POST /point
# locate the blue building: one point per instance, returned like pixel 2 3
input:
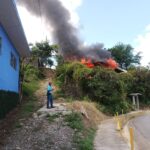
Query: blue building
pixel 13 46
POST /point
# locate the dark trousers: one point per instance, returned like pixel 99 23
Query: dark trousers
pixel 49 100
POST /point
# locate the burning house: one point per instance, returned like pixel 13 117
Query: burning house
pixel 109 63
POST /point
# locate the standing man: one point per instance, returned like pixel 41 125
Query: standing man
pixel 49 95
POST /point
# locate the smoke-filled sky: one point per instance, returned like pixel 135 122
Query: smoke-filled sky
pixel 55 15
pixel 101 21
pixel 33 24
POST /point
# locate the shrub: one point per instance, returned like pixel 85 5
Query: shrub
pixel 69 78
pixel 74 121
pixel 31 73
pixel 84 136
pixel 141 84
pixel 107 88
pixel 29 104
pixel 102 85
pixel 110 89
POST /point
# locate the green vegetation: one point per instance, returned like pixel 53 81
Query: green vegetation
pixel 85 143
pixel 141 84
pixel 32 76
pixel 102 85
pixel 32 73
pixel 74 121
pixel 8 100
pixel 83 137
pixel 69 78
pixel 106 87
pixel 51 118
pixel 30 87
pixel 42 52
pixel 30 101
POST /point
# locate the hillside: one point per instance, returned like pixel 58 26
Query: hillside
pixel 56 128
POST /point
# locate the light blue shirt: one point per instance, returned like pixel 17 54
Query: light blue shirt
pixel 49 88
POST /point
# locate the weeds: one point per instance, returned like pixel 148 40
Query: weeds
pixel 83 137
pixel 85 141
pixel 74 121
pixel 30 105
pixel 51 118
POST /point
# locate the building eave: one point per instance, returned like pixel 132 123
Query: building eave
pixel 119 70
pixel 11 23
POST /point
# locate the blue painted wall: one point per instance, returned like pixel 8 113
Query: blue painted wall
pixel 9 77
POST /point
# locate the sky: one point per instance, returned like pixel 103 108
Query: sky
pixel 104 21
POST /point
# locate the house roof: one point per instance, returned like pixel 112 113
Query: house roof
pixel 119 70
pixel 10 21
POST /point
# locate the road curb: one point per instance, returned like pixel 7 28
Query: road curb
pixel 125 130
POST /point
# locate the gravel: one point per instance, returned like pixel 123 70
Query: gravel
pixel 37 133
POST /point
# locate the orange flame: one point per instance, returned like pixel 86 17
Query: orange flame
pixel 110 63
pixel 87 62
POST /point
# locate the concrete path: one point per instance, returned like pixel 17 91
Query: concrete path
pixel 108 138
pixel 58 108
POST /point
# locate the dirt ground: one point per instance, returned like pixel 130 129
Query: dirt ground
pixel 38 133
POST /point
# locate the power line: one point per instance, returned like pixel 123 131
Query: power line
pixel 39 5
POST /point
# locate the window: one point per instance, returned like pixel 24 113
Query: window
pixel 13 61
pixel 0 45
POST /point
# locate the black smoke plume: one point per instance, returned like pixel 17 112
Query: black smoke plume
pixel 64 33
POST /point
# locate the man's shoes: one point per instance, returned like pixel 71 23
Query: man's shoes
pixel 50 107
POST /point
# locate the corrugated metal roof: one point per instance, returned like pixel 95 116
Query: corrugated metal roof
pixel 10 21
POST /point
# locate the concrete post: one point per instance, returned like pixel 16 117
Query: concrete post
pixel 137 98
pixel 134 101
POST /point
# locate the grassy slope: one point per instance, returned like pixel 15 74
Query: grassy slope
pixel 30 104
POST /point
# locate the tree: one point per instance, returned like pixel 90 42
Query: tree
pixel 123 54
pixel 43 51
pixel 59 59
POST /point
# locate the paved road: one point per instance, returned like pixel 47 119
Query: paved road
pixel 108 138
pixel 141 127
